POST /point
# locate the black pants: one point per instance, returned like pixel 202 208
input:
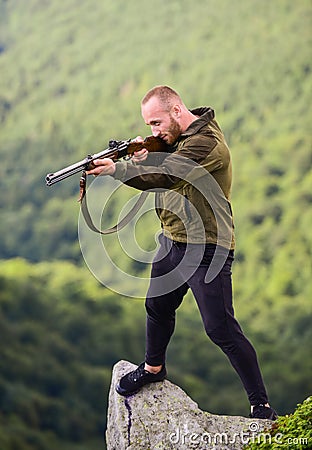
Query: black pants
pixel 176 269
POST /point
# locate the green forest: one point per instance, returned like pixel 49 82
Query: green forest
pixel 72 77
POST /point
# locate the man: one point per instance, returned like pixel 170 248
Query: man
pixel 193 185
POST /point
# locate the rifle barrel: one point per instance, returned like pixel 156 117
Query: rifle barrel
pixel 60 175
pixel 114 147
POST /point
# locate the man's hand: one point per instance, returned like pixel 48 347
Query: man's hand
pixel 106 166
pixel 140 155
pixel 102 166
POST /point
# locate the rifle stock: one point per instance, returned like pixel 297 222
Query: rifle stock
pixel 115 151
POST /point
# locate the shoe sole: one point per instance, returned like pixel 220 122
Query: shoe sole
pixel 125 393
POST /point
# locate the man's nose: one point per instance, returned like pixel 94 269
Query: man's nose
pixel 155 131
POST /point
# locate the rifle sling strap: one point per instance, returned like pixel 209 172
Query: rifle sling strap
pixel 120 225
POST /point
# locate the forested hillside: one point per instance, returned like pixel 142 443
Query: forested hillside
pixel 71 78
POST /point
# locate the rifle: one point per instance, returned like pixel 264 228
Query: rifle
pixel 116 150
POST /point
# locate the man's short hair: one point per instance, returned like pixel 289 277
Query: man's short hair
pixel 166 95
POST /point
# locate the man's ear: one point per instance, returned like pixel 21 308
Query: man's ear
pixel 176 109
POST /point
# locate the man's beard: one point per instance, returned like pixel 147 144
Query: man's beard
pixel 173 132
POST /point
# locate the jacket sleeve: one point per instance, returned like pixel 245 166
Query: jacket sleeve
pixel 192 155
pixel 144 177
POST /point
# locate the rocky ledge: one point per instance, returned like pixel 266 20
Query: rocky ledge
pixel 162 416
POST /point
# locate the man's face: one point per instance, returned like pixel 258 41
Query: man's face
pixel 161 121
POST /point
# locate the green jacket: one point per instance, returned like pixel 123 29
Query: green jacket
pixel 192 184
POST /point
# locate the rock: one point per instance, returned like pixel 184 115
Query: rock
pixel 162 416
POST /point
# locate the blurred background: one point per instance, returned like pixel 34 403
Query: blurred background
pixel 72 74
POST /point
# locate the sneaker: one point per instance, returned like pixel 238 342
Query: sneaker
pixel 263 412
pixel 135 380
